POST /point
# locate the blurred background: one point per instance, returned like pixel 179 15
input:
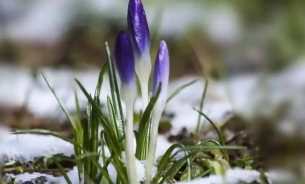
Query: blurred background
pixel 227 41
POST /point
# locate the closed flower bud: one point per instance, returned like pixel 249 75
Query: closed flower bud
pixel 161 73
pixel 138 28
pixel 124 59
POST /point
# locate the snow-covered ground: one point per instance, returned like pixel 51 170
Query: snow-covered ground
pixel 223 98
pixel 240 94
pixel 236 95
pixel 47 21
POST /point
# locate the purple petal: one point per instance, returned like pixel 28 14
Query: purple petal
pixel 161 73
pixel 138 28
pixel 124 58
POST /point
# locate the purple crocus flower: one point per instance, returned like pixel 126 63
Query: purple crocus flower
pixel 140 39
pixel 161 73
pixel 124 59
pixel 138 28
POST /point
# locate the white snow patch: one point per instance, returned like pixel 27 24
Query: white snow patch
pixel 47 21
pixel 26 147
pixel 232 176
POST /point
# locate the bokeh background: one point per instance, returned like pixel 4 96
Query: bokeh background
pixel 220 40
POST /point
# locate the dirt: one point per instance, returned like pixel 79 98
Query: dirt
pixel 22 119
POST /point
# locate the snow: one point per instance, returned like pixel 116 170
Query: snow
pixel 240 94
pixel 232 176
pixel 26 147
pixel 219 103
pixel 48 21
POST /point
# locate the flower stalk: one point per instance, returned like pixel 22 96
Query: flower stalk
pixel 129 97
pixel 161 76
pixel 138 32
pixel 124 60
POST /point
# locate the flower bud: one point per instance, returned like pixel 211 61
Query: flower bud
pixel 124 59
pixel 161 73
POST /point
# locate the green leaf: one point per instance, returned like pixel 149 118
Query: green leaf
pixel 115 94
pixel 62 105
pixel 45 132
pixel 79 118
pixel 214 152
pixel 120 171
pixel 201 107
pixel 197 171
pixel 78 138
pixel 104 122
pixel 112 116
pixel 170 174
pixel 166 159
pixel 92 158
pixel 221 139
pixel 103 148
pixel 177 91
pixel 62 170
pixel 143 135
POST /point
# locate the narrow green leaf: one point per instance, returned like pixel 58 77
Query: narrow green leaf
pixel 221 139
pixel 101 79
pixel 86 143
pixel 166 159
pixel 170 174
pixel 78 138
pixel 201 107
pixel 143 135
pixel 79 118
pixel 104 122
pixel 121 174
pixel 62 171
pixel 94 135
pixel 115 94
pixel 177 91
pixel 45 132
pixel 103 148
pixel 61 104
pixel 92 158
pixel 196 148
pixel 204 173
pixel 112 117
pixel 112 146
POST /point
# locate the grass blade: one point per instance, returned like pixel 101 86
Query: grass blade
pixel 112 117
pixel 115 94
pixel 166 158
pixel 143 135
pixel 44 132
pixel 105 123
pixel 221 139
pixel 62 171
pixel 121 173
pixel 78 112
pixel 201 108
pixel 177 91
pixel 170 174
pixel 91 157
pixel 61 104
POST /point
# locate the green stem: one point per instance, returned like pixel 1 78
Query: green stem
pixel 152 145
pixel 129 148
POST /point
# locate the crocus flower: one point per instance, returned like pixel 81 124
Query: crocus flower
pixel 161 76
pixel 161 73
pixel 138 28
pixel 140 39
pixel 124 60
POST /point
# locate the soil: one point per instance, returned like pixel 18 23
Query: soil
pixel 22 119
